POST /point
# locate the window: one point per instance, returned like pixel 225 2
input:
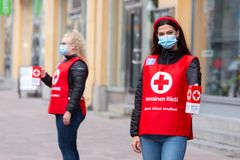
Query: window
pixel 222 52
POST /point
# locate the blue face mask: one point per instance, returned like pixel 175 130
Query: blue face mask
pixel 63 50
pixel 168 41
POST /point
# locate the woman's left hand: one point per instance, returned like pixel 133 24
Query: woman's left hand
pixel 66 118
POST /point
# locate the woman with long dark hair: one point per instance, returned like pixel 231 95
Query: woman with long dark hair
pixel 160 127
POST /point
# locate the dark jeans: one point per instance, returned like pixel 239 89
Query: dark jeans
pixel 67 135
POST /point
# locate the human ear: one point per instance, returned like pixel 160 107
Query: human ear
pixel 73 48
pixel 177 34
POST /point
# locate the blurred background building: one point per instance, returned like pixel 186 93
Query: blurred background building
pixel 118 37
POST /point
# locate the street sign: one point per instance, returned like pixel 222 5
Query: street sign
pixel 5 7
pixel 1 7
pixel 207 53
pixel 37 7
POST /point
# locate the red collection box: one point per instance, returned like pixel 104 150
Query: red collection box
pixel 193 99
pixel 36 75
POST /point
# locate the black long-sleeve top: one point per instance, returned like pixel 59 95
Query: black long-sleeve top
pixel 193 77
pixel 77 76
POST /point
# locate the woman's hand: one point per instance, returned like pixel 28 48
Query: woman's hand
pixel 136 144
pixel 43 72
pixel 66 118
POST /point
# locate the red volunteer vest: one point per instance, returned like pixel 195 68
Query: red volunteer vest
pixel 164 98
pixel 59 93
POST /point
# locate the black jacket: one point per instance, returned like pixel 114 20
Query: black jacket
pixel 77 76
pixel 193 77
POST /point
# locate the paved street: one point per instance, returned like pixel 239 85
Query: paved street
pixel 28 133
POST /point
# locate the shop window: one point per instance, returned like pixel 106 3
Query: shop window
pixel 76 4
pixel 222 61
pixel 156 13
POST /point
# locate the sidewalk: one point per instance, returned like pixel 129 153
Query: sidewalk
pixel 5 83
pixel 28 133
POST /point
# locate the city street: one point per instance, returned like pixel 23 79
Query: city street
pixel 28 133
pixel 173 53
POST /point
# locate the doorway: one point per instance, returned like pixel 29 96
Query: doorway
pixel 133 47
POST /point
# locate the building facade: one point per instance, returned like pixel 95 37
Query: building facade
pixel 212 33
pixel 30 35
pixel 118 36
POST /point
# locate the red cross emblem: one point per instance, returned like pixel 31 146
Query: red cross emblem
pixel 161 82
pixel 55 77
pixel 36 73
pixel 196 95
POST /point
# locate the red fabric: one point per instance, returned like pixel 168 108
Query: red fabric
pixel 36 72
pixel 164 18
pixel 164 98
pixel 59 93
pixel 194 94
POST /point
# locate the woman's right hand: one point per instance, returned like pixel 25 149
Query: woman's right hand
pixel 43 72
pixel 136 144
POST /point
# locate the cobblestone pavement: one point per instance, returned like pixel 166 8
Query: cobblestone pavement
pixel 27 132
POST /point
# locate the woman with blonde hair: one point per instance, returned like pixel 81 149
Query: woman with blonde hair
pixel 67 87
